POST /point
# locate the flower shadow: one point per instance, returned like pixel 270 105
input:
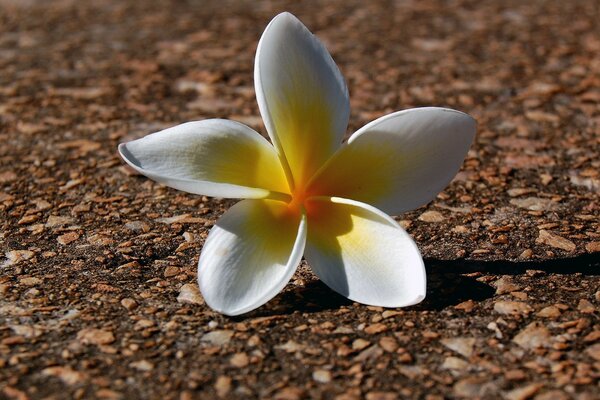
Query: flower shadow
pixel 450 281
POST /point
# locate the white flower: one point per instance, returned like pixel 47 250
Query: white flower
pixel 308 193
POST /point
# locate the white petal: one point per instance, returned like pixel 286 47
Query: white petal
pixel 250 255
pixel 400 161
pixel 363 254
pixel 301 94
pixel 213 157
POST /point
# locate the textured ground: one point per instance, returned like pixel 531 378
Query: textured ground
pixel 97 283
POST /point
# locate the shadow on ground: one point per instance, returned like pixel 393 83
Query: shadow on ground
pixel 449 284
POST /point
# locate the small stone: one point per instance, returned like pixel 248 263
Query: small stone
pixel 322 376
pixel 505 285
pixel 431 216
pixel 190 294
pixel 461 345
pixel 534 335
pixel 8 176
pixel 55 220
pixel 545 179
pixel 524 392
pixel 526 254
pixel 515 375
pixel 239 360
pixel 289 393
pixel 218 337
pixel 535 204
pixel 388 344
pixel 466 306
pixel 28 219
pixel 66 374
pixel 129 304
pixel 516 192
pixel 68 238
pixel 142 365
pixel 223 386
pixel 16 256
pixel 291 347
pixel 455 363
pixel 474 387
pixel 551 312
pixel 30 281
pixel 381 396
pixel 95 336
pixel 586 306
pixel 593 247
pixel 512 307
pixel 553 395
pixel 372 352
pixel 594 351
pixel 171 271
pixel 360 344
pixel 551 239
pixel 375 328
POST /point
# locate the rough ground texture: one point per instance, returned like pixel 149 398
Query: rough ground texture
pixel 97 285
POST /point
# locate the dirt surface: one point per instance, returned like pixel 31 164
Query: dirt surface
pixel 97 285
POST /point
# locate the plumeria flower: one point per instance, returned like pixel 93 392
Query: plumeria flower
pixel 308 193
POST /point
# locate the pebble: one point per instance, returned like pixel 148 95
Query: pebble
pixel 524 392
pixel 551 239
pixel 67 238
pixel 431 216
pixel 535 204
pixel 534 335
pixel 217 338
pixel 30 281
pixel 239 360
pixel 190 294
pixel 474 387
pixel 55 220
pixel 461 345
pixel 586 307
pixel 171 271
pixel 505 285
pixel 594 351
pixel 455 363
pixel 512 307
pixel 223 386
pixel 129 304
pixel 551 312
pixel 375 328
pixel 593 247
pixel 377 395
pixel 16 256
pixel 360 344
pixel 95 336
pixel 142 365
pixel 388 344
pixel 321 376
pixel 516 192
pixel 66 374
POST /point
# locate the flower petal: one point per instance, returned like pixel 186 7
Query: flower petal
pixel 213 157
pixel 363 254
pixel 250 255
pixel 400 161
pixel 301 94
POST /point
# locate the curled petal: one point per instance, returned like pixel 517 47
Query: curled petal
pixel 400 161
pixel 301 94
pixel 363 254
pixel 250 255
pixel 212 157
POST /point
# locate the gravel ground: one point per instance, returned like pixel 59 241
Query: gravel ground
pixel 97 281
